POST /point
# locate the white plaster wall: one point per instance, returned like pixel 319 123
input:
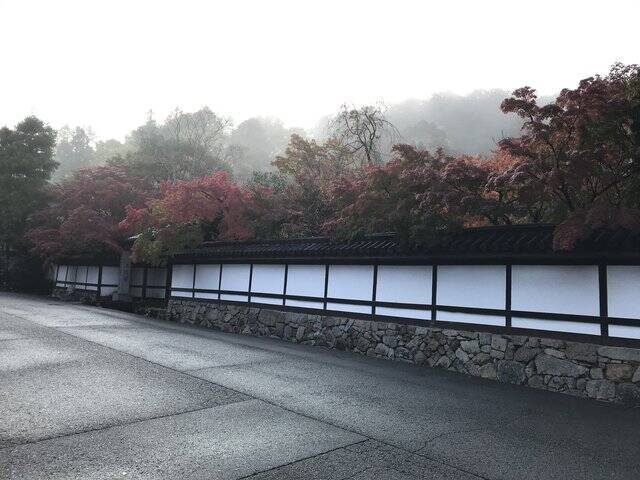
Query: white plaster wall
pixel 208 277
pixel 495 320
pixel 176 293
pixel 81 274
pixel 556 289
pixel 271 301
pixel 556 325
pixel 71 273
pixel 404 284
pixel 234 298
pixel 235 277
pixel 306 280
pixel 182 276
pixel 62 272
pixel 624 331
pixel 344 307
pixel 354 282
pixel 93 274
pixel 623 291
pixel 268 279
pixel 110 275
pixel 304 303
pixel 404 312
pixel 206 295
pixel 480 286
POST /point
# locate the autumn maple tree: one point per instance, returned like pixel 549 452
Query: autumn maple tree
pixel 186 213
pixel 581 153
pixel 84 213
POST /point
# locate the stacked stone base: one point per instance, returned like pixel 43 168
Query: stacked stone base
pixel 89 297
pixel 581 369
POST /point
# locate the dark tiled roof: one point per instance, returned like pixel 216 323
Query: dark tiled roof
pixel 478 243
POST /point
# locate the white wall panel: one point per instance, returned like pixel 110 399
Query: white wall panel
pixel 137 276
pixel 62 273
pixel 556 289
pixel 268 279
pixel 177 293
pixel 206 295
pixel 306 280
pixel 271 301
pixel 344 307
pixel 480 286
pixel 234 298
pixel 354 282
pixel 107 291
pixel 93 274
pixel 208 277
pixel 556 325
pixel 110 275
pixel 81 274
pixel 458 317
pixel 404 284
pixel 624 331
pixel 71 273
pixel 623 291
pixel 404 313
pixel 182 276
pixel 303 303
pixel 235 277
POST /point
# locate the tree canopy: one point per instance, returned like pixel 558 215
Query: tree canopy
pixel 574 163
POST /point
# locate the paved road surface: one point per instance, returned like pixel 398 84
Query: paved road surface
pixel 90 393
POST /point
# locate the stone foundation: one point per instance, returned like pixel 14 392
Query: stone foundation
pixel 68 295
pixel 581 369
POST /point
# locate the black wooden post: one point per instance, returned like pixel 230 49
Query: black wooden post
pixel 326 285
pixel 375 291
pixel 604 303
pixel 434 292
pixel 507 302
pixel 284 290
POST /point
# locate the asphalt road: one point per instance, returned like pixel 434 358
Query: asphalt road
pixel 89 393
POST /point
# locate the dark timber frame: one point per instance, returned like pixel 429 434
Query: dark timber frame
pixel 145 287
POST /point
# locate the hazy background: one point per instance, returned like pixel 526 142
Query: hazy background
pixel 440 68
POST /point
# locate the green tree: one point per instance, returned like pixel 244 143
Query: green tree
pixel 73 151
pixel 185 146
pixel 26 165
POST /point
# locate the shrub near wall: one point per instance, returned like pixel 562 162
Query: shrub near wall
pixel 581 369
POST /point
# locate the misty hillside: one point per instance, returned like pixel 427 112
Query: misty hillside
pixel 461 124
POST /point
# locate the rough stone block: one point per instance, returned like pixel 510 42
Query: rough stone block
pixel 619 372
pixel 601 389
pixel 620 353
pixel 462 355
pixel 584 352
pixel 549 365
pixel 511 372
pixel 525 354
pixel 488 371
pixel 470 346
pixel 498 343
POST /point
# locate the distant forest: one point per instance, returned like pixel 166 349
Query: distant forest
pixel 460 124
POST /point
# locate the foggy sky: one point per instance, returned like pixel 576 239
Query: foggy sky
pixel 106 63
